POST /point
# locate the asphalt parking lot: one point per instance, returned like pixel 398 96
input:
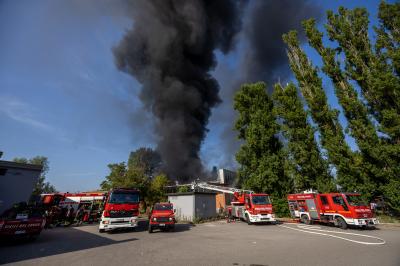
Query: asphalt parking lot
pixel 216 243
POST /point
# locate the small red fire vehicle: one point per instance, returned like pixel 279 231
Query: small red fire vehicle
pixel 162 217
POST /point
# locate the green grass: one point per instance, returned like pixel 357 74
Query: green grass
pixel 388 219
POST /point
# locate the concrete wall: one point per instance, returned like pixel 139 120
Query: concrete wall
pixel 184 206
pixel 205 206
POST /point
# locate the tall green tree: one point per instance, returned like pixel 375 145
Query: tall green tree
pixel 146 159
pixel 141 172
pixel 310 169
pixel 376 72
pixel 261 157
pixel 41 186
pixel 378 160
pixel 388 35
pixel 373 73
pixel 367 84
pixel 157 189
pixel 348 164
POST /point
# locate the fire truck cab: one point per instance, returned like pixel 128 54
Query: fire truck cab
pixel 253 208
pixel 121 209
pixel 341 209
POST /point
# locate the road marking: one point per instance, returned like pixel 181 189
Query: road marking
pixel 315 230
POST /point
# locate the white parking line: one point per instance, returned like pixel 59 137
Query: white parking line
pixel 316 230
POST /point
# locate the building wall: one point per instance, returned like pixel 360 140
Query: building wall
pixel 184 206
pixel 16 185
pixel 222 200
pixel 226 177
pixel 205 206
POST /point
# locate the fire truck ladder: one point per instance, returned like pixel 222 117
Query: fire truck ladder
pixel 229 190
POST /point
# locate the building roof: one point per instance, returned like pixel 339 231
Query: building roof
pixel 190 193
pixel 8 164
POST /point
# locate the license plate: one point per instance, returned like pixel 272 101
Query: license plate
pixel 20 232
pixel 162 224
pixel 21 216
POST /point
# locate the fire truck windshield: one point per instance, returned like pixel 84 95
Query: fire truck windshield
pixel 355 200
pixel 258 200
pixel 118 197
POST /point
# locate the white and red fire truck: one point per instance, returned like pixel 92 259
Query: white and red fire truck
pixel 341 209
pixel 121 209
pixel 75 199
pixel 91 200
pixel 247 205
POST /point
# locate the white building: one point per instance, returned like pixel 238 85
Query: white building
pixel 17 181
pixel 191 205
pixel 226 177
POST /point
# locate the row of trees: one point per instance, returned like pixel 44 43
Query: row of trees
pixel 281 153
pixel 141 172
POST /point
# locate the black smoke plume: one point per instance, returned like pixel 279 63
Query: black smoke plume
pixel 170 51
pixel 263 58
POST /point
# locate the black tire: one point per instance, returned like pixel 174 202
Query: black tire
pixel 341 223
pixel 150 229
pixel 101 230
pixel 33 237
pixel 305 219
pixel 248 219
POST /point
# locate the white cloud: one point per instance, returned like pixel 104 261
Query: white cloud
pixel 22 112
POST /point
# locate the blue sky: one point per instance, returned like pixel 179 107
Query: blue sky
pixel 61 95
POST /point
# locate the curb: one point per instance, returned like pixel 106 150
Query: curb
pixel 390 224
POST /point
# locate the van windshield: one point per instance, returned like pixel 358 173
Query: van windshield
pixel 163 207
pixel 124 197
pixel 355 200
pixel 258 200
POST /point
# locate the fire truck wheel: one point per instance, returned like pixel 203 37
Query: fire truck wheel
pixel 248 220
pixel 305 219
pixel 150 229
pixel 101 230
pixel 341 223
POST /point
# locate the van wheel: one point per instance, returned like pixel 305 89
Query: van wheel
pixel 341 223
pixel 248 220
pixel 305 219
pixel 33 237
pixel 101 230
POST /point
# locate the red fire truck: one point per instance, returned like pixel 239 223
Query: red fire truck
pixel 121 209
pixel 341 209
pixel 247 205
